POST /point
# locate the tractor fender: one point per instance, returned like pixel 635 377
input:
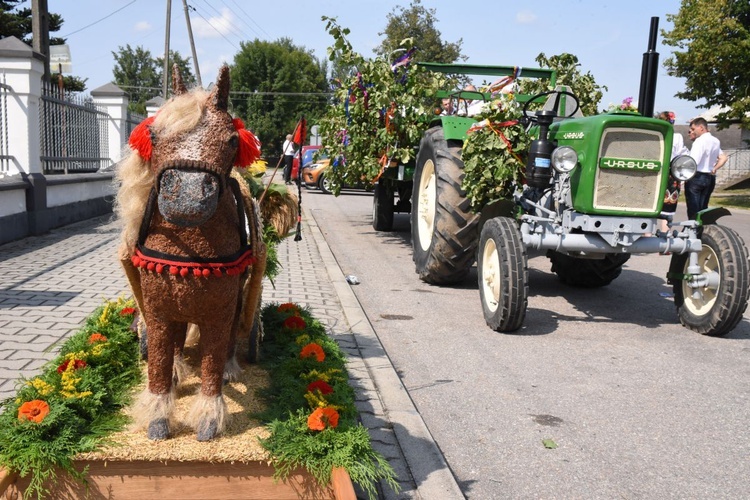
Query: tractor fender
pixel 711 215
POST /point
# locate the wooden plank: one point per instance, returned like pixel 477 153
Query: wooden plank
pixel 6 481
pixel 343 489
pixel 185 481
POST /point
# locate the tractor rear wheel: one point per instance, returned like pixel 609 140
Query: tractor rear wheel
pixel 382 208
pixel 587 273
pixel 503 275
pixel 443 228
pixel 715 308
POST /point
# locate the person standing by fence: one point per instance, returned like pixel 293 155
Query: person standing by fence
pixel 288 150
pixel 707 153
pixel 672 193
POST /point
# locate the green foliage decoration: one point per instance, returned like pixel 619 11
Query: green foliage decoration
pixel 494 155
pixel 377 112
pixel 292 405
pixel 583 85
pixel 84 388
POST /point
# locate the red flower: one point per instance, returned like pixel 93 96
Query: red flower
pixel 313 349
pixel 34 410
pixel 127 311
pixel 294 323
pixel 77 364
pixel 320 385
pixel 97 337
pixel 288 307
pixel 322 417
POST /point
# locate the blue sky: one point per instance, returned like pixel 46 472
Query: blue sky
pixel 608 36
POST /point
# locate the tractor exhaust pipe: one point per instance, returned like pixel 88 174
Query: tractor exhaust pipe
pixel 649 71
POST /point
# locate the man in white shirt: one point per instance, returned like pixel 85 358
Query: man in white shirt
pixel 707 153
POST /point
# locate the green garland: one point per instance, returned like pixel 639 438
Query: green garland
pixel 312 416
pixel 74 405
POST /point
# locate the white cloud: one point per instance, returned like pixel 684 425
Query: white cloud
pixel 214 27
pixel 143 26
pixel 525 17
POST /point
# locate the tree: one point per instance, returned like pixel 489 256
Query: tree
pixel 568 73
pixel 273 85
pixel 185 69
pixel 713 38
pixel 418 23
pixel 136 72
pixel 17 23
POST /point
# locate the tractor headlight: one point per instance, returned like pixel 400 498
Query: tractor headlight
pixel 564 159
pixel 683 168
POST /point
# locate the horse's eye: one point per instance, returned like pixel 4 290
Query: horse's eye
pixel 153 136
pixel 234 141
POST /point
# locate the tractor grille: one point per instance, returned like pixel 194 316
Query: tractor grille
pixel 629 189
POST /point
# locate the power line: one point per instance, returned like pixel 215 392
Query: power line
pixel 214 27
pixel 100 20
pixel 236 31
pixel 250 18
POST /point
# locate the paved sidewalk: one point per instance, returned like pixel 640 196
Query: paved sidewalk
pixel 50 284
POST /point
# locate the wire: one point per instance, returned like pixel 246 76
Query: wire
pixel 235 30
pixel 100 20
pixel 250 18
pixel 214 27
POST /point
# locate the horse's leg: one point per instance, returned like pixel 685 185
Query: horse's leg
pixel 180 369
pixel 208 414
pixel 157 402
pixel 232 368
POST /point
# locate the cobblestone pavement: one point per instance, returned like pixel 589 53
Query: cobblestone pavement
pixel 49 284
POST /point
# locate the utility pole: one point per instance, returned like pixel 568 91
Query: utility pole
pixel 40 32
pixel 192 45
pixel 165 83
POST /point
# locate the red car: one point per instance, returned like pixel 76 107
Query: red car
pixel 307 155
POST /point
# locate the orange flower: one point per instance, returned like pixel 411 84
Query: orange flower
pixel 34 410
pixel 322 417
pixel 313 349
pixel 127 311
pixel 288 307
pixel 97 337
pixel 321 386
pixel 294 323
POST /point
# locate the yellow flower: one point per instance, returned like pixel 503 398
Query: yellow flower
pixel 302 339
pixel 97 349
pixel 42 387
pixel 103 317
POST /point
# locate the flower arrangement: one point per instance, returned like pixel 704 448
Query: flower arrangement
pixel 311 412
pixel 626 106
pixel 75 403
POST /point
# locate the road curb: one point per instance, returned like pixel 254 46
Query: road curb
pixel 425 461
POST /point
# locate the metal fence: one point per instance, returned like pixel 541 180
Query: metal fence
pixel 133 120
pixel 4 157
pixel 737 168
pixel 74 133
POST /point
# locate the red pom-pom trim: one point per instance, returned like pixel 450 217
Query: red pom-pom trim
pixel 140 139
pixel 249 148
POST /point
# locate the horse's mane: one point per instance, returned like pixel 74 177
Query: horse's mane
pixel 135 176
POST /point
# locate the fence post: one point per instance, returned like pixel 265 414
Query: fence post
pixel 114 101
pixel 23 69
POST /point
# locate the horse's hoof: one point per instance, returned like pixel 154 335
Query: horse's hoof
pixel 158 429
pixel 207 429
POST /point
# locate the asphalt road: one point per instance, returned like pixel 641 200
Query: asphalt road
pixel 637 405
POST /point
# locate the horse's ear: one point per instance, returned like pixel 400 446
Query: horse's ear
pixel 220 92
pixel 178 86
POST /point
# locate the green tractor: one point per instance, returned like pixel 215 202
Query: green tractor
pixel 592 197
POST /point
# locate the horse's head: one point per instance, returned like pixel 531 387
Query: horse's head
pixel 192 144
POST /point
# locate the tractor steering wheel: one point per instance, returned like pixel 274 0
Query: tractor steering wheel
pixel 557 103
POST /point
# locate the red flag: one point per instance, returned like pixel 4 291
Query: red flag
pixel 300 132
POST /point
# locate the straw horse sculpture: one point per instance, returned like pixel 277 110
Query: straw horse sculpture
pixel 192 246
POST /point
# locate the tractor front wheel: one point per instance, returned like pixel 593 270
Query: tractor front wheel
pixel 443 228
pixel 715 307
pixel 503 275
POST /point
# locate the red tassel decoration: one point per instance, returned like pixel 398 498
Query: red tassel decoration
pixel 159 268
pixel 249 148
pixel 140 139
pixel 184 272
pixel 217 273
pixel 174 270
